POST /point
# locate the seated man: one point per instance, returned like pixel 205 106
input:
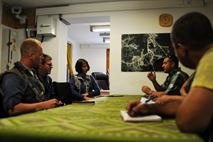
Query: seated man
pixel 43 72
pixel 193 42
pixel 192 38
pixel 173 82
pixel 165 105
pixel 24 93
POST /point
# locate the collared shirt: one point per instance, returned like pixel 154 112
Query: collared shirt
pixel 49 89
pixel 19 90
pixel 174 81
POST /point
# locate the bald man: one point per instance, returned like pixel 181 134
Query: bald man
pixel 23 92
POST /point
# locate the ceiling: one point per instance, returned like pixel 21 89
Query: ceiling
pixel 79 30
pixel 52 3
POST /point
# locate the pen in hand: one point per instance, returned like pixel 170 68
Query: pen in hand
pixel 150 98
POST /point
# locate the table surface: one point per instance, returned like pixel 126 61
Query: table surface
pixel 89 122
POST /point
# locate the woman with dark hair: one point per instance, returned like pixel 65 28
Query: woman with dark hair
pixel 83 86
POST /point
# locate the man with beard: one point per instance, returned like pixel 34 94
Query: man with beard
pixel 173 82
pixel 43 71
pixel 192 39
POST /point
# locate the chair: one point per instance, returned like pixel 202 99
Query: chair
pixel 102 79
pixel 2 112
pixel 63 92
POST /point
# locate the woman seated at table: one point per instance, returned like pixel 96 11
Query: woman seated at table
pixel 83 86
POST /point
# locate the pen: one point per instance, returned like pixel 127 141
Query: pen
pixel 150 98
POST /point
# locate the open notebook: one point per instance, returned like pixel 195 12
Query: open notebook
pixel 148 118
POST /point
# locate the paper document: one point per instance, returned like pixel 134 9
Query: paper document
pixel 146 101
pixel 98 99
pixel 148 118
pixel 104 91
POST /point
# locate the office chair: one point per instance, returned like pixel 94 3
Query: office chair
pixel 102 80
pixel 63 92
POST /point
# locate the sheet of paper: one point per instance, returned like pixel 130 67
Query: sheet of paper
pixel 98 99
pixel 149 118
pixel 144 101
pixel 104 91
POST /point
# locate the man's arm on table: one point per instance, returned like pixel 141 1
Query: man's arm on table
pixel 165 106
pixel 195 113
pixel 22 108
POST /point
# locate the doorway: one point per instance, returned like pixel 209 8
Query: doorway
pixel 89 45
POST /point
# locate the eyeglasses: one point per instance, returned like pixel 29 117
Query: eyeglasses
pixel 50 65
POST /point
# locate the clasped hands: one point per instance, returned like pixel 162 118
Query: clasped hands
pixel 86 96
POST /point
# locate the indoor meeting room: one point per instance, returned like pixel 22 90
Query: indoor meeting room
pixel 106 70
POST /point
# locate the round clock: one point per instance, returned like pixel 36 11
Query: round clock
pixel 165 20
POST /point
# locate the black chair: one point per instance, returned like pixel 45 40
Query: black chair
pixel 63 92
pixel 102 79
pixel 2 112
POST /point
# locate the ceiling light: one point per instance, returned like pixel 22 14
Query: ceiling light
pixel 106 39
pixel 104 34
pixel 100 28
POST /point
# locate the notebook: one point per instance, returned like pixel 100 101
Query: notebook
pixel 148 118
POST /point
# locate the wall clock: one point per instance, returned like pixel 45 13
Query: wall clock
pixel 165 20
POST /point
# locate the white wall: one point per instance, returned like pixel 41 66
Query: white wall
pixel 130 22
pixel 95 54
pixel 57 48
pixel 144 21
pixel 16 38
pixel 96 57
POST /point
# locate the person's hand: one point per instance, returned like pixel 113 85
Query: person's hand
pixel 151 76
pixel 157 94
pixel 132 104
pixel 164 99
pixel 85 94
pixel 50 103
pixel 146 89
pixel 87 98
pixel 139 109
pixel 154 94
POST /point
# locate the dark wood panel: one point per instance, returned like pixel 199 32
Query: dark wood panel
pixel 10 20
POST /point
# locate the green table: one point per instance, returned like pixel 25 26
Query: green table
pixel 89 122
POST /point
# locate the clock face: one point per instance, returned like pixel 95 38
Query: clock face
pixel 165 20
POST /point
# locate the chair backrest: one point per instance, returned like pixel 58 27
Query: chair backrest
pixel 102 79
pixel 2 112
pixel 63 92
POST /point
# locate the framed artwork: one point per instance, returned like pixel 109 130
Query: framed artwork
pixel 144 52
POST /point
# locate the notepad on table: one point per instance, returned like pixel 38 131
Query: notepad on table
pixel 146 101
pixel 148 118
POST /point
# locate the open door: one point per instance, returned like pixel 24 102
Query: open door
pixel 108 61
pixel 69 61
